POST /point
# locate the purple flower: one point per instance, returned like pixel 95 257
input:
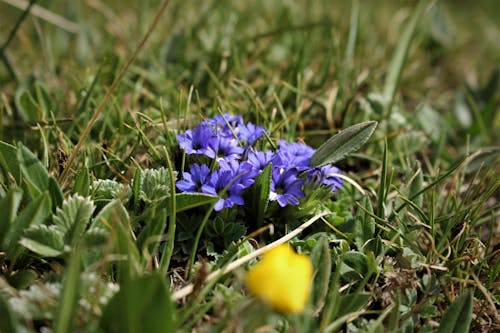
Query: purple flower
pixel 218 181
pixel 220 123
pixel 286 187
pixel 249 133
pixel 228 147
pixel 296 148
pixel 326 175
pixel 295 154
pixel 244 171
pixel 194 179
pixel 232 176
pixel 202 141
pixel 260 159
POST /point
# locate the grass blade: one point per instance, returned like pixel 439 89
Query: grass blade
pixel 399 58
pixel 70 295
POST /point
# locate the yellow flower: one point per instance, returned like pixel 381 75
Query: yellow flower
pixel 282 279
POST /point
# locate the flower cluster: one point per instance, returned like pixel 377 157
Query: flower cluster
pixel 234 162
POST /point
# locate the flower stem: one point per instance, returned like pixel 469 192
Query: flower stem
pixel 172 216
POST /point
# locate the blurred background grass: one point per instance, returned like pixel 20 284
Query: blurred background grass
pixel 306 69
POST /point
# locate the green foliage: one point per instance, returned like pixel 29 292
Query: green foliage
pixel 155 185
pixel 67 229
pixel 458 317
pixel 34 213
pixel 416 123
pixel 145 302
pixel 7 324
pixel 343 143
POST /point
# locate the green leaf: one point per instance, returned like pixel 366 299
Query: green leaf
pixel 458 317
pixel 141 305
pixel 26 105
pixel 72 218
pixel 107 190
pixel 9 206
pixel 70 294
pixel 115 218
pixel 47 241
pixel 55 192
pixel 321 258
pixel 353 265
pixel 399 58
pixel 7 324
pixel 156 221
pixel 155 184
pixel 34 213
pixel 8 161
pixel 95 237
pixel 383 188
pixel 260 197
pixel 82 182
pixel 343 143
pixel 136 187
pixel 364 226
pixel 224 232
pixel 34 173
pixel 22 279
pixel 185 201
pixel 353 302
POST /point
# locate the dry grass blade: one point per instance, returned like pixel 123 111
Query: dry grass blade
pixel 46 15
pixel 115 83
pixel 237 263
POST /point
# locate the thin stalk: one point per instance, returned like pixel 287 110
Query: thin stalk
pixel 243 260
pixel 111 90
pixel 172 216
pixel 17 26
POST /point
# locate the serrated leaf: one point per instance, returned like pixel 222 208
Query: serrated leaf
pixel 107 189
pixel 185 201
pixel 343 143
pixel 46 241
pixel 143 304
pixel 72 218
pixel 155 184
pixel 458 317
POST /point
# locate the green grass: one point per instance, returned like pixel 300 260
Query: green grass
pixel 89 158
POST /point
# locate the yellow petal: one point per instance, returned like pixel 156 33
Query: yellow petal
pixel 282 279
